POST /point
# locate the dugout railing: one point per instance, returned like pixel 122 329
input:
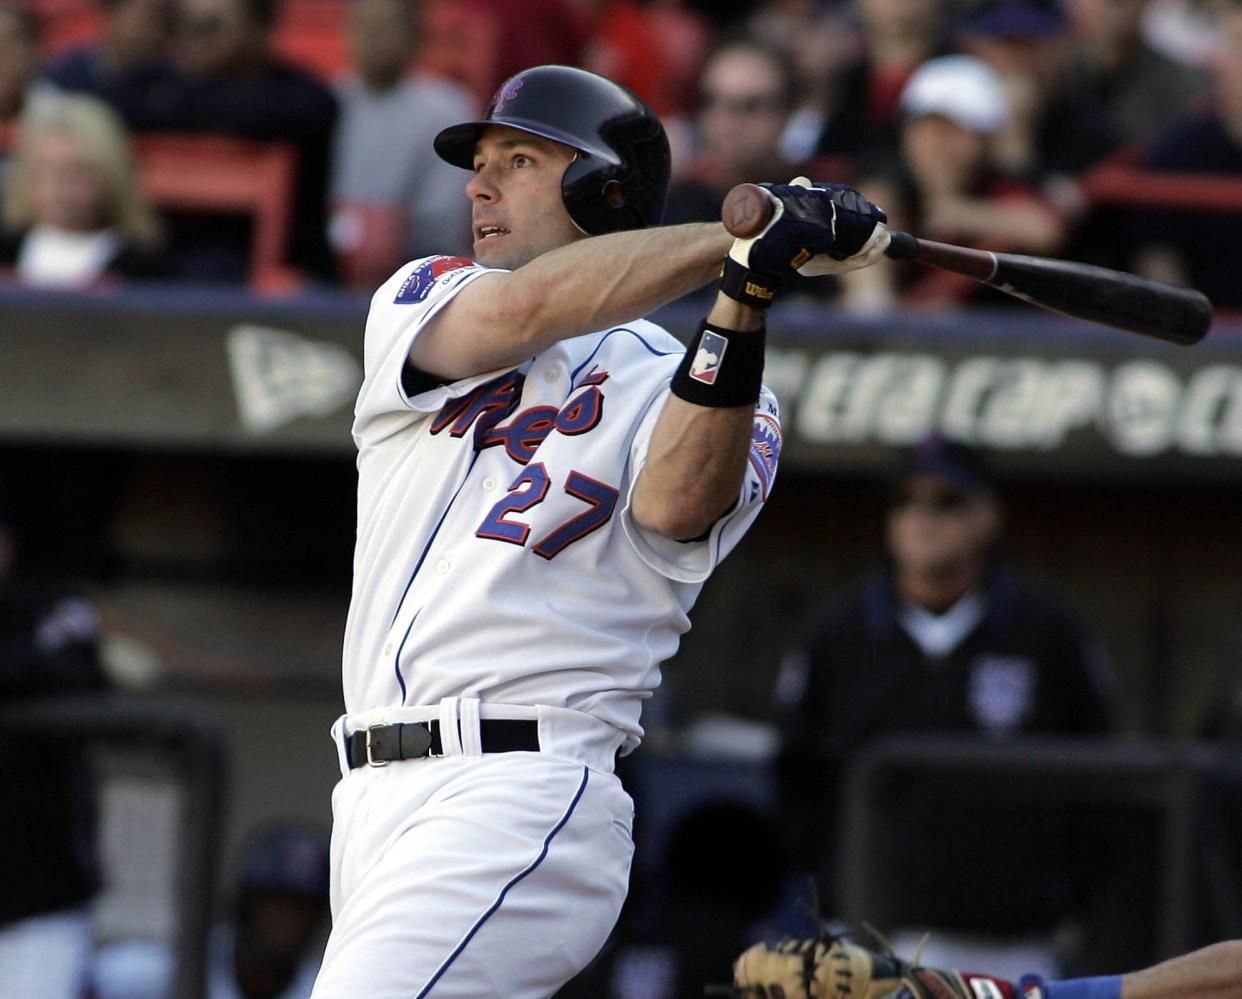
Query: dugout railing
pixel 1178 783
pixel 193 749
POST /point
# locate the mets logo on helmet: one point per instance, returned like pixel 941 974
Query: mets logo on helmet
pixel 507 93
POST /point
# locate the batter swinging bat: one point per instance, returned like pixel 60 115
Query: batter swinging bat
pixel 1084 291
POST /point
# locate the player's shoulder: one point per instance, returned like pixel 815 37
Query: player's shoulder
pixel 425 278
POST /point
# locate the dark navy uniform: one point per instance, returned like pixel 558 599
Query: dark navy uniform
pixel 48 646
pixel 1023 663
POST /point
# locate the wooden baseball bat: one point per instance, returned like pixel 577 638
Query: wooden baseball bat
pixel 1084 291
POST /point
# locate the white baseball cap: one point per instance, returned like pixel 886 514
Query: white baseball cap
pixel 960 87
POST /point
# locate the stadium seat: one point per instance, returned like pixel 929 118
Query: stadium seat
pixel 312 34
pixel 216 174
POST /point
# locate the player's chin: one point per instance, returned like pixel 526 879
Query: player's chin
pixel 501 251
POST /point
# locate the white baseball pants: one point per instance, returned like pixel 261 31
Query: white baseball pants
pixel 472 876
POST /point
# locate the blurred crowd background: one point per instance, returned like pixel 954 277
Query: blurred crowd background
pixel 982 120
pixel 1008 540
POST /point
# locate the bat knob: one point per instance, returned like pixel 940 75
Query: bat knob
pixel 746 209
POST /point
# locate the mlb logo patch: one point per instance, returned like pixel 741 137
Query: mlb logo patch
pixel 707 358
pixel 416 287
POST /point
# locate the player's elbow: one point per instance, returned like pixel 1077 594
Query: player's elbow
pixel 682 518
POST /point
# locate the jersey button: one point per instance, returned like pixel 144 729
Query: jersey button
pixel 489 484
pixel 443 566
pixel 552 374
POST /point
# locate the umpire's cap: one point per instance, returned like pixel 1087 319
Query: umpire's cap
pixel 618 180
pixel 952 461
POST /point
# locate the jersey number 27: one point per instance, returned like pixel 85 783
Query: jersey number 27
pixel 528 490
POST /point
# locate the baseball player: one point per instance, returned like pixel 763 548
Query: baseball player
pixel 545 482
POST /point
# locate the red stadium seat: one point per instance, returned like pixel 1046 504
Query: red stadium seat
pixel 312 34
pixel 1122 184
pixel 217 174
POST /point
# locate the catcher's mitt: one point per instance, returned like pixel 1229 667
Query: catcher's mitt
pixel 830 967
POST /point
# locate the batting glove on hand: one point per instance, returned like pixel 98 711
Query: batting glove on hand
pixel 810 220
pixel 815 230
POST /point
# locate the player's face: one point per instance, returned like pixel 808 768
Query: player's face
pixel 935 529
pixel 516 197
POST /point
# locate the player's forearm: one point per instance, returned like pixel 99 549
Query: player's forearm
pixel 697 456
pixel 1213 972
pixel 604 280
pixel 584 286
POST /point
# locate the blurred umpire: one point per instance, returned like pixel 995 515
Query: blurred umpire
pixel 943 637
pixel 48 873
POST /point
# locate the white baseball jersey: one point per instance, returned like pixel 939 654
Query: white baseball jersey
pixel 496 554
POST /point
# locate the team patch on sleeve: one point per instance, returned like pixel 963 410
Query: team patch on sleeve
pixel 418 285
pixel 765 448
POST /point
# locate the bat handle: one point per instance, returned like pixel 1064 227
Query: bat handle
pixel 902 246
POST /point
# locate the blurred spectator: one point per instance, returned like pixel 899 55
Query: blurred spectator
pixel 1140 89
pixel 74 212
pixel 481 43
pixel 393 198
pixel 1199 248
pixel 896 36
pixel 746 95
pixel 237 86
pixel 946 185
pixel 818 38
pixel 1184 30
pixel 1050 129
pixel 945 637
pixel 128 66
pixel 48 648
pixel 654 49
pixel 20 89
pixel 535 33
pixel 271 944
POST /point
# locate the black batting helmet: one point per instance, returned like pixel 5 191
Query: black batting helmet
pixel 618 180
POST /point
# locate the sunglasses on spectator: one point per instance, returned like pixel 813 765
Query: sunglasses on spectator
pixel 739 104
pixel 936 500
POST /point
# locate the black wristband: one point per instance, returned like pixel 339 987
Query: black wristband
pixel 745 286
pixel 721 368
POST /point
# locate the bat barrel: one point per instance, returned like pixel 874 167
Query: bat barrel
pixel 1114 298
